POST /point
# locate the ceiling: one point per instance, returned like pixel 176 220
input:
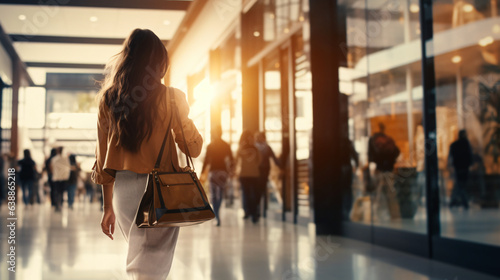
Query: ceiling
pixel 81 39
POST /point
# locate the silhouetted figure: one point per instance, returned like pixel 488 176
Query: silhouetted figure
pixel 53 153
pixel 219 159
pixel 61 169
pixel 420 162
pixel 27 175
pixel 460 157
pixel 348 154
pixel 73 180
pixel 267 155
pixel 382 150
pixel 248 157
pixel 89 188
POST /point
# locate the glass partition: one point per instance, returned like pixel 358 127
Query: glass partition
pixel 467 72
pixel 383 159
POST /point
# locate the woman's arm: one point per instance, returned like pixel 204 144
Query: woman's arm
pixel 108 217
pixel 107 196
pixel 191 136
pixel 273 156
pixel 99 176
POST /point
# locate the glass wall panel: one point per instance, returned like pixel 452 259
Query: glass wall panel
pixel 274 19
pixel 383 158
pixel 303 118
pixel 6 122
pixel 273 122
pixel 467 68
pixel 228 90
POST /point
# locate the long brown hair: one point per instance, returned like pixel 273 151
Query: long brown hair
pixel 132 88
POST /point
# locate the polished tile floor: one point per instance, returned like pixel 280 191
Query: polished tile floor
pixel 70 246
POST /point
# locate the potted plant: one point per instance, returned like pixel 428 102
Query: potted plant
pixel 490 119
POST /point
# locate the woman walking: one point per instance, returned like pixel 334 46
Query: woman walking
pixel 134 113
pixel 248 158
pixel 27 175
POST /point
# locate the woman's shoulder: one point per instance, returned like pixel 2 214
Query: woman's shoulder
pixel 179 94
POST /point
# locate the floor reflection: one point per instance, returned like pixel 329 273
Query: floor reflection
pixel 70 246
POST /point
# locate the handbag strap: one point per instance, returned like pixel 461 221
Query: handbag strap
pixel 158 159
pixel 189 159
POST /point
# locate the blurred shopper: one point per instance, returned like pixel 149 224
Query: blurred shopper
pixel 219 160
pixel 347 156
pixel 73 180
pixel 382 150
pixel 248 158
pixel 53 153
pixel 89 187
pixel 460 157
pixel 134 113
pixel 61 170
pixel 37 191
pixel 27 175
pixel 420 161
pixel 267 155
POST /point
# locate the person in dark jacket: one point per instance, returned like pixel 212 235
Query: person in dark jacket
pixel 460 157
pixel 219 159
pixel 382 150
pixel 348 154
pixel 248 159
pixel 267 155
pixel 27 176
pixel 73 180
pixel 53 153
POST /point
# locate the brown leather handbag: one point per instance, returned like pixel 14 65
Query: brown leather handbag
pixel 173 198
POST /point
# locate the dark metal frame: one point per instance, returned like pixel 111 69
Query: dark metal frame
pixel 180 5
pixel 68 40
pixel 65 65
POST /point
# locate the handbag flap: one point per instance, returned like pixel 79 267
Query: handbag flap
pixel 175 178
pixel 180 191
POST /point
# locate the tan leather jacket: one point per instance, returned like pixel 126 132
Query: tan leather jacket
pixel 110 157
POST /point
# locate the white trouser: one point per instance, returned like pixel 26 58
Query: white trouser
pixel 150 250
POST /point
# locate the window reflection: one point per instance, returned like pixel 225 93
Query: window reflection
pixel 467 77
pixel 273 120
pixel 383 94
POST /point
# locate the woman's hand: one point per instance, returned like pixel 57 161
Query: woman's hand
pixel 108 222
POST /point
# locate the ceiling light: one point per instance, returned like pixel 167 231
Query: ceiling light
pixel 256 33
pixel 456 59
pixel 93 18
pixel 468 8
pixel 22 17
pixel 286 30
pixel 301 18
pixel 486 41
pixel 414 8
pixel 166 22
